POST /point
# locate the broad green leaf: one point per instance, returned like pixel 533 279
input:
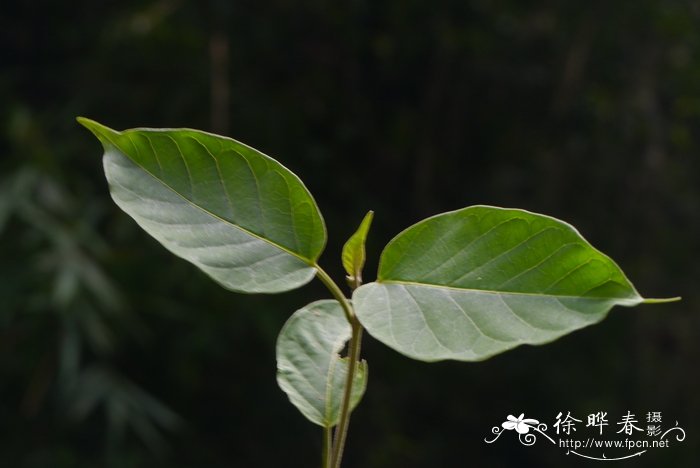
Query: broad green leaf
pixel 353 256
pixel 237 214
pixel 309 368
pixel 473 283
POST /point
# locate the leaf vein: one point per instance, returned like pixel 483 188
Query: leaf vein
pixel 505 252
pixel 469 244
pixel 425 321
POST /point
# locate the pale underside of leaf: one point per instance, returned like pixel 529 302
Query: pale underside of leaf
pixel 232 257
pixel 309 369
pixel 237 214
pixel 472 283
pixel 434 323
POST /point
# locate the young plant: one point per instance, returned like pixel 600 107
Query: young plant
pixel 463 285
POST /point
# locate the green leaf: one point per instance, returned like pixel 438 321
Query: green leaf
pixel 353 256
pixel 237 214
pixel 473 283
pixel 309 369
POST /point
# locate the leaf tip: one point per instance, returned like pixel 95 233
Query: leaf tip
pixel 661 300
pixel 367 221
pixel 88 123
pixel 99 130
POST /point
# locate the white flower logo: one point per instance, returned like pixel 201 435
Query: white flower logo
pixel 522 426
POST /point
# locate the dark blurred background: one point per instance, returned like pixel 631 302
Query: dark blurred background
pixel 114 353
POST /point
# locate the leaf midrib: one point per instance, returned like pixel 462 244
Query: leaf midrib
pixel 512 293
pixel 308 261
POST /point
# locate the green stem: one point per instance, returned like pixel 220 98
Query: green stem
pixel 337 293
pixel 327 446
pixel 341 432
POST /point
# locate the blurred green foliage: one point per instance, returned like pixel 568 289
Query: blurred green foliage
pixel 115 354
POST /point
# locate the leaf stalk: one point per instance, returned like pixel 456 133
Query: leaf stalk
pixel 337 294
pixel 341 431
pixel 327 447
